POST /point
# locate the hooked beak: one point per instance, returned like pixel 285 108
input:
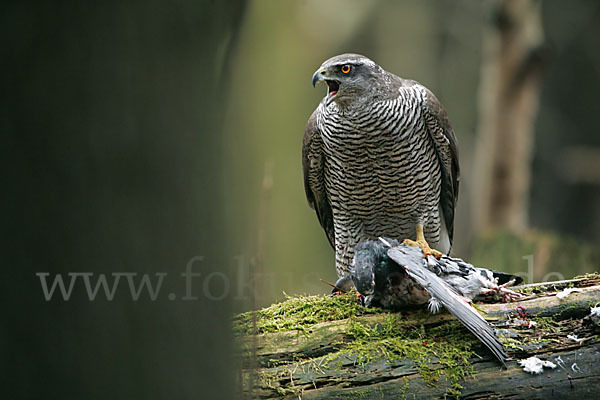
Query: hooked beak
pixel 332 85
pixel 318 76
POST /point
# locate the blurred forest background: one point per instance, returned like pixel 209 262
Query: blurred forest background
pixel 111 116
pixel 139 135
pixel 519 80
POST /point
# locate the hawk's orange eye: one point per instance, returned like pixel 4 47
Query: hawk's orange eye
pixel 345 69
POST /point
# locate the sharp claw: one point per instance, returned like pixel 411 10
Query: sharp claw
pixel 436 254
pixel 424 246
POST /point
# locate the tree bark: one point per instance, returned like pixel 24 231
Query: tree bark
pixel 310 365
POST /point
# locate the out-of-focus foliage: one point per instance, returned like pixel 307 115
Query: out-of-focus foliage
pixel 535 256
pixel 435 42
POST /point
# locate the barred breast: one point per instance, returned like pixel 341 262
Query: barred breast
pixel 381 172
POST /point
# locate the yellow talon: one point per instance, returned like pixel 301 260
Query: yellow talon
pixel 422 243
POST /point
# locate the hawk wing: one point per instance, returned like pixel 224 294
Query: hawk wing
pixel 314 178
pixel 446 147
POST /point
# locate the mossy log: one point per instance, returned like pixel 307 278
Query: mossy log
pixel 322 347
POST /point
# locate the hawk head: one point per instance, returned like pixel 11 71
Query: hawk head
pixel 349 77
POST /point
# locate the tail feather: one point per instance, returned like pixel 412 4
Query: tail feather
pixel 413 262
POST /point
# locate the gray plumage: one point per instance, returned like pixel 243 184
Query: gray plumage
pixel 393 275
pixel 379 157
pixel 416 267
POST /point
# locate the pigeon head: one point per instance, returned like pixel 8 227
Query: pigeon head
pixel 369 256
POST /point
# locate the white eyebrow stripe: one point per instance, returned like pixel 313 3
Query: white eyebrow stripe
pixel 353 61
pixel 358 62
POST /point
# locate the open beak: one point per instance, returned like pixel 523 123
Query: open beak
pixel 332 85
pixel 318 76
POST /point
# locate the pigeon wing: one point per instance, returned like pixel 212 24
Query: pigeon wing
pixel 412 260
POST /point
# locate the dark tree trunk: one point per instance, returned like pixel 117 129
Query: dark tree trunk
pixel 110 119
pixel 508 103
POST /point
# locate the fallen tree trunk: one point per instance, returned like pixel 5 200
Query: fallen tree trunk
pixel 332 348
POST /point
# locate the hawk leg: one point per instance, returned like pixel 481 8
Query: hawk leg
pixel 422 243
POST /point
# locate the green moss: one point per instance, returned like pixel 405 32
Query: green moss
pixel 545 324
pixel 298 313
pixel 447 344
pixel 569 309
pixel 439 352
pixel 404 389
pixel 510 343
pixel 525 290
pixel 359 394
pixel 591 276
